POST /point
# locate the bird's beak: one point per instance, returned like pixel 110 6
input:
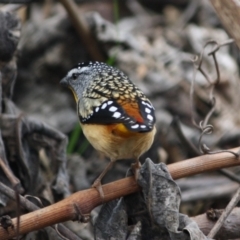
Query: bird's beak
pixel 64 82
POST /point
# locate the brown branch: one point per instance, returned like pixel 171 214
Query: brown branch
pixel 85 201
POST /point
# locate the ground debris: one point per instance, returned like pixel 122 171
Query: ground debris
pixel 152 214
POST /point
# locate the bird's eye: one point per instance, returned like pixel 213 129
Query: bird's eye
pixel 74 76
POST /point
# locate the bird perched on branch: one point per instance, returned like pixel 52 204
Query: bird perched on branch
pixel 115 116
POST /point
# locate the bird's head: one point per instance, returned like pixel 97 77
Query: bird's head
pixel 80 77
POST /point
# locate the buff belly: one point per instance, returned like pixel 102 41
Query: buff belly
pixel 115 145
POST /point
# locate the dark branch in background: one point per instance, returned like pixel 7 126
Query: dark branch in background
pixel 231 205
pixel 229 229
pixel 82 29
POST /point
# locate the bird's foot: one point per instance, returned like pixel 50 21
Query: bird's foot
pixel 97 184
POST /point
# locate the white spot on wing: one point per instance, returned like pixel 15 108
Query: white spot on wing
pixel 96 109
pixel 112 109
pixel 147 104
pixel 135 126
pixel 150 106
pixel 147 110
pixel 150 117
pixel 142 126
pixel 109 102
pixel 104 106
pixel 116 114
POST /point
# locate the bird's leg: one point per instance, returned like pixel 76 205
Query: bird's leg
pixel 136 168
pixel 97 183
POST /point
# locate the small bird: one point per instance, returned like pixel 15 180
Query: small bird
pixel 116 117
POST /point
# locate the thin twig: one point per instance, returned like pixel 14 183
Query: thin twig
pixel 197 61
pixel 10 176
pixel 234 201
pixel 229 175
pixel 188 145
pixel 210 113
pixel 192 92
pixel 59 234
pixel 187 14
pixel 18 213
pixel 12 7
pixel 194 151
pixel 229 230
